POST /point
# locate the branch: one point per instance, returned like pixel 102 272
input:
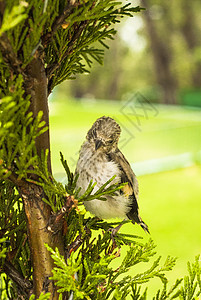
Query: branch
pixel 56 220
pixel 77 33
pixel 24 284
pixel 18 182
pixel 58 22
pixel 9 55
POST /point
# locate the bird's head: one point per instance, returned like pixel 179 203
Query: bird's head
pixel 104 134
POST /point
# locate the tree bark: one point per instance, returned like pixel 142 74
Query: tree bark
pixel 162 59
pixel 36 210
pixel 37 215
pixel 36 84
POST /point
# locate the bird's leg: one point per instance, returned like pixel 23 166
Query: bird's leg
pixel 115 230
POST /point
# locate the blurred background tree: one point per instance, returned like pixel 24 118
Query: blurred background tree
pixel 156 53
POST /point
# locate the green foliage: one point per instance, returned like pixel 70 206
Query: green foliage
pixel 92 277
pixel 11 215
pixel 64 33
pixel 3 250
pixel 18 131
pixel 14 244
pixel 25 38
pixel 66 36
pixel 41 297
pixel 192 282
pixel 88 271
pixel 13 16
pixel 93 22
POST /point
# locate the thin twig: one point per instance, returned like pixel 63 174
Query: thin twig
pixel 24 284
pixel 9 55
pixel 56 220
pixel 51 70
pixel 57 23
pixel 18 182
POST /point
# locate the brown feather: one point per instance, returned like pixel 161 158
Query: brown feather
pixel 127 190
pixel 127 174
pixel 131 189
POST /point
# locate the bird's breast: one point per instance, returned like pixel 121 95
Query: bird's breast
pixel 95 166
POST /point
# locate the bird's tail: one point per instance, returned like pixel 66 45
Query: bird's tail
pixel 144 226
pixel 135 218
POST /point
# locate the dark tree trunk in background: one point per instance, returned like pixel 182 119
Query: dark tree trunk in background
pixel 116 65
pixel 162 58
pixel 102 85
pixel 192 38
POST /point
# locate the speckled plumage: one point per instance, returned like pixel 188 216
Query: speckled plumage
pixel 99 160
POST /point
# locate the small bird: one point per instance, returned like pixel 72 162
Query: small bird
pixel 99 160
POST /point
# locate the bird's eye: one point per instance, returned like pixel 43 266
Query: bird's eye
pixel 110 142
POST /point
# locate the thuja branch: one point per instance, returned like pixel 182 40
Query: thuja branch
pixel 9 55
pixel 24 285
pixel 59 20
pixel 105 189
pixel 44 43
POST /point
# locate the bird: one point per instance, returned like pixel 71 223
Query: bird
pixel 99 160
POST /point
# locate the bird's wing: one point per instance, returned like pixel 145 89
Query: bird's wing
pixel 131 189
pixel 127 174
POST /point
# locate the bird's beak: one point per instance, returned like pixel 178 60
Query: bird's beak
pixel 98 144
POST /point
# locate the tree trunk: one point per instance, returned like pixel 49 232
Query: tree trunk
pixel 36 210
pixel 192 38
pixel 162 59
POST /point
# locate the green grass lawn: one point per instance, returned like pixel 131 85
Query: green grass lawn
pixel 172 131
pixel 169 201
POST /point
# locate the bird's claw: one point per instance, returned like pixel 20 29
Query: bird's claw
pixel 114 232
